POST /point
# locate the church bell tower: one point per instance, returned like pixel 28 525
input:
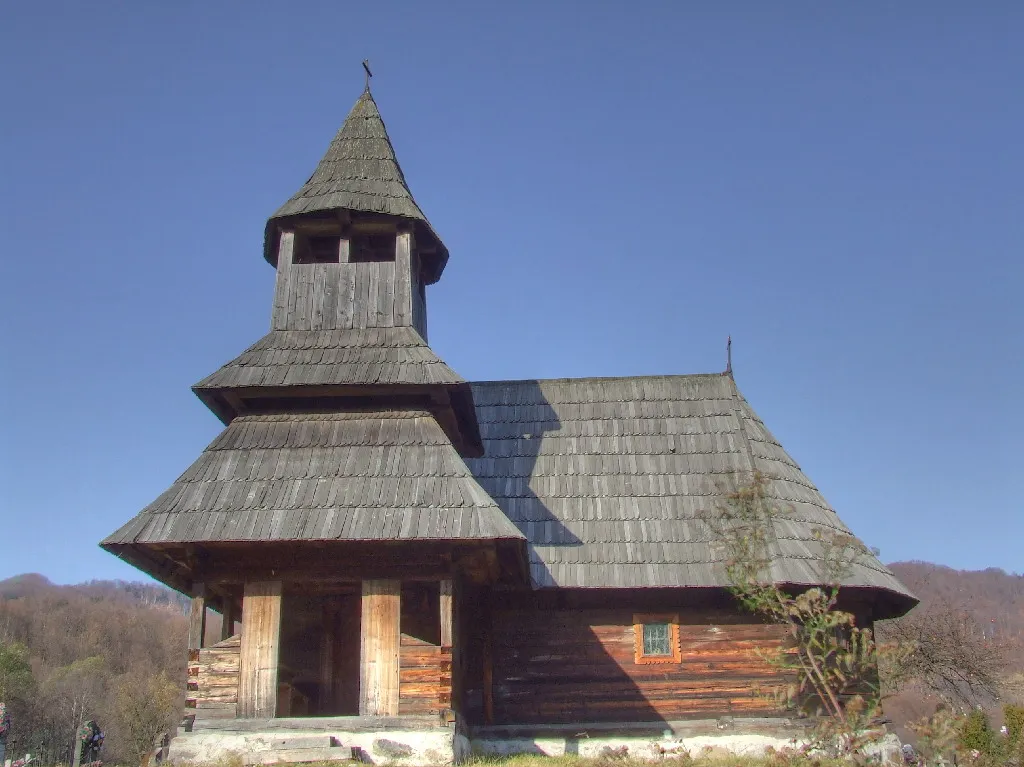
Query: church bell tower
pixel 354 254
pixel 334 518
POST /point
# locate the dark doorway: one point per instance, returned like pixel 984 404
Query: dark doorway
pixel 318 672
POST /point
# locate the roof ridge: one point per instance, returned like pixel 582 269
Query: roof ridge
pixel 655 377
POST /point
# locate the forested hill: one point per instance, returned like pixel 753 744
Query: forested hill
pixel 993 597
pixel 97 650
pixel 143 594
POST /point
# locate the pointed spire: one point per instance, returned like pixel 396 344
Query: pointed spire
pixel 360 172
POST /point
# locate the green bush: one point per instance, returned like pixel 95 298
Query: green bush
pixel 1014 716
pixel 976 733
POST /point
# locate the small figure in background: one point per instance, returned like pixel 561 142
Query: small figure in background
pixel 5 727
pixel 91 737
pixel 909 754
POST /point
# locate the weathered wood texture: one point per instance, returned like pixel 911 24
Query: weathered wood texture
pixel 260 646
pixel 227 622
pixel 379 648
pixel 197 618
pixel 578 665
pixel 328 641
pixel 346 181
pixel 425 677
pixel 409 292
pixel 446 594
pixel 377 294
pixel 213 680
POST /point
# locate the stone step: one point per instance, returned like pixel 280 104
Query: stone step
pixel 300 755
pixel 303 741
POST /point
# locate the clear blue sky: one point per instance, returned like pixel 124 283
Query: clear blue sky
pixel 621 186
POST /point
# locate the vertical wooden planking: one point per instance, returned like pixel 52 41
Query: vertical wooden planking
pixel 346 295
pixel 488 672
pixel 388 298
pixel 446 612
pixel 332 285
pixel 279 316
pixel 327 642
pixel 261 636
pixel 385 274
pixel 379 648
pixel 318 295
pixel 419 305
pixel 373 320
pixel 360 279
pixel 197 618
pixel 458 676
pixel 303 281
pixel 228 618
pixel 403 279
pixel 449 643
pixel 294 275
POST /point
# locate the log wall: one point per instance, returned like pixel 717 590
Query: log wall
pixel 578 666
pixel 213 680
pixel 425 678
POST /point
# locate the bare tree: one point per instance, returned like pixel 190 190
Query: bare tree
pixel 146 706
pixel 951 656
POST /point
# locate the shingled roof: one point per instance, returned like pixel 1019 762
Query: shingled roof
pixel 370 359
pixel 360 172
pixel 357 476
pixel 357 356
pixel 606 477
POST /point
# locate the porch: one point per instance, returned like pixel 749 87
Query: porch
pixel 370 648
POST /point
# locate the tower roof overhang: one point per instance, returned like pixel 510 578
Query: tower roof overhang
pixel 344 368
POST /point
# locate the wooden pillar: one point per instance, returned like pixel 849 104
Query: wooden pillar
pixel 197 618
pixel 378 648
pixel 447 598
pixel 488 664
pixel 403 278
pixel 228 617
pixel 261 639
pixel 450 651
pixel 279 314
pixel 344 245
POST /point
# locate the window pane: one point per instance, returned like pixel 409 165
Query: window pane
pixel 656 639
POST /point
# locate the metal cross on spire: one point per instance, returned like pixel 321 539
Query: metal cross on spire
pixel 369 74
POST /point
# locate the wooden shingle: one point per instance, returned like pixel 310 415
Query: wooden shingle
pixel 608 477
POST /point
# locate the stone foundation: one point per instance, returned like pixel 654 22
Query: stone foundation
pixel 399 741
pixel 654 741
pixel 427 742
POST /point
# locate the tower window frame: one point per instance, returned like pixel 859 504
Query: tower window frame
pixel 318 249
pixel 372 247
pixel 656 638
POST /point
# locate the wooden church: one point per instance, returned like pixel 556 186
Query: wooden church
pixel 412 565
